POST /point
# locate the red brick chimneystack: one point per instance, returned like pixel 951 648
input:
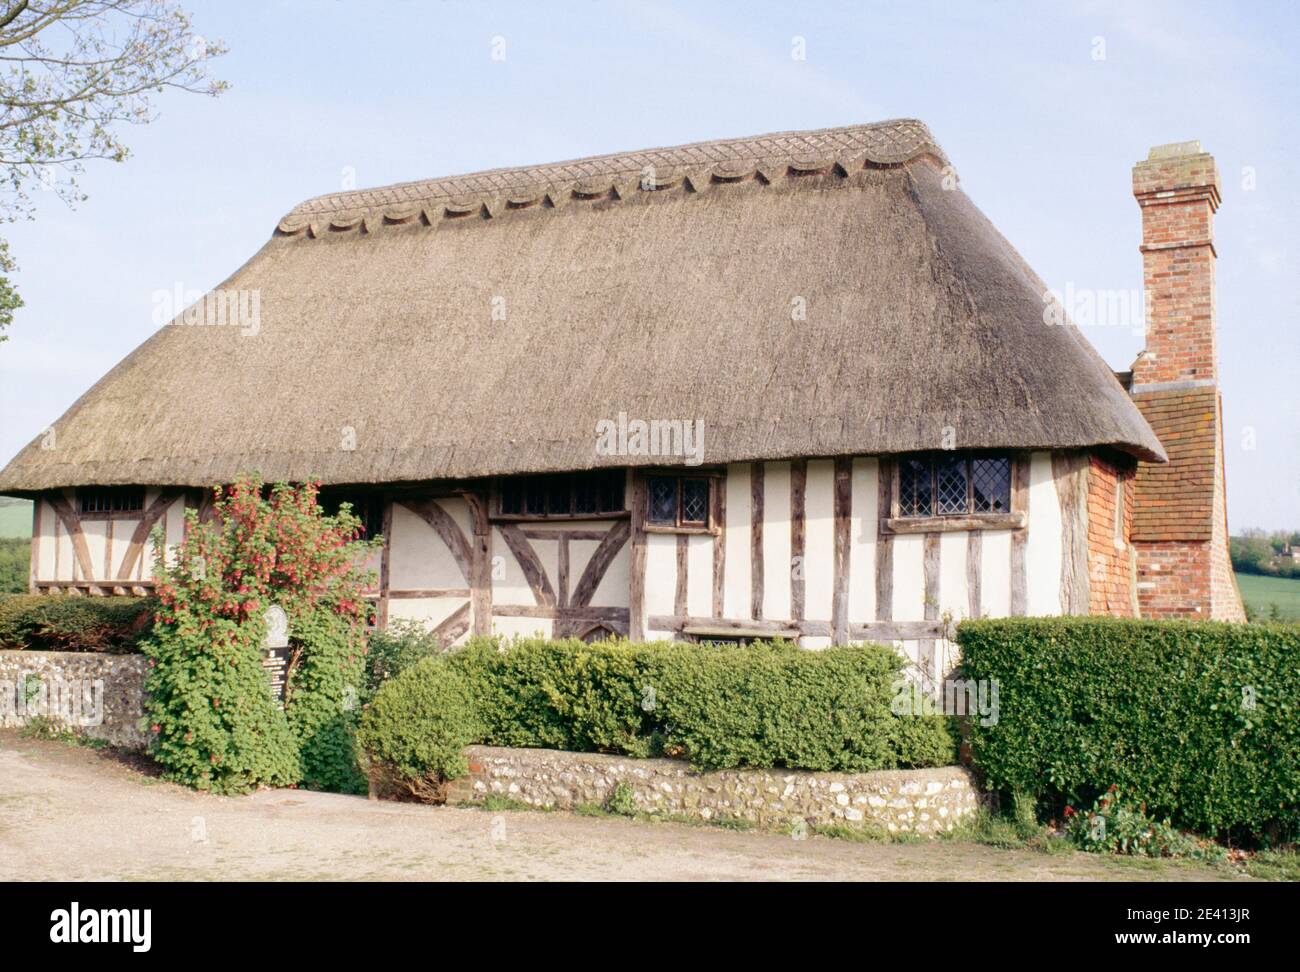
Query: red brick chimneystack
pixel 1180 527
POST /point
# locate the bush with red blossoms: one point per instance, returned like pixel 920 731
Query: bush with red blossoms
pixel 214 722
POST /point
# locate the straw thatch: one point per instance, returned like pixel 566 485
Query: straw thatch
pixel 663 284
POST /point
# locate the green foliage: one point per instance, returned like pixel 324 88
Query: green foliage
pixel 419 723
pixel 395 649
pixel 54 730
pixel 1197 720
pixel 621 800
pixel 15 564
pixel 214 721
pixel 1256 552
pixel 324 698
pixel 57 622
pixel 1119 823
pixel 764 705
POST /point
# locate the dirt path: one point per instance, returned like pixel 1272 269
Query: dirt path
pixel 76 814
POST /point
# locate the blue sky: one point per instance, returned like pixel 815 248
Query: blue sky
pixel 1042 132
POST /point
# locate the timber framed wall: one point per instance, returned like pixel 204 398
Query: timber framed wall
pixel 810 549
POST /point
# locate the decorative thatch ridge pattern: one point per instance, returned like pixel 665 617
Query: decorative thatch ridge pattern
pixel 825 294
pixel 493 193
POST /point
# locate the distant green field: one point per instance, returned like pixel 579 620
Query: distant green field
pixel 1261 593
pixel 15 517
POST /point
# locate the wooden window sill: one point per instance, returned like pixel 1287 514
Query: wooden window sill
pixel 948 524
pixel 665 528
pixel 556 517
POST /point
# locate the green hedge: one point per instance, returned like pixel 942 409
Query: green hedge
pixel 1199 720
pixel 61 622
pixel 773 705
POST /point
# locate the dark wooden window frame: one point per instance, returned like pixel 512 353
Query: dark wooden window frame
pixel 498 489
pixel 713 482
pixel 83 493
pixel 895 522
pixel 366 507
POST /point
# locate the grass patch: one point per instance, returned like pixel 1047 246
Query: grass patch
pixel 1274 865
pixel 1261 594
pixel 51 730
pixel 495 803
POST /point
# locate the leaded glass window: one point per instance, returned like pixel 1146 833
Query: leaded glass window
pixel 953 485
pixel 990 482
pixel 915 486
pixel 678 501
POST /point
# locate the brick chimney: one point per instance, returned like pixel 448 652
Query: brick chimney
pixel 1178 190
pixel 1180 522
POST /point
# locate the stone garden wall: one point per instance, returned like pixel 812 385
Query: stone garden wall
pixel 100 695
pixel 924 801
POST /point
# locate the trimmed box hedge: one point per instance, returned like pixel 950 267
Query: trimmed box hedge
pixel 62 622
pixel 763 705
pixel 1199 720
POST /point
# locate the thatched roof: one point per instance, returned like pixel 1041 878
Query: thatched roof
pixel 660 284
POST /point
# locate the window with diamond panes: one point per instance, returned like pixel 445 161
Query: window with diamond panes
pixel 951 487
pixel 678 501
pixel 990 485
pixel 915 486
pixel 954 485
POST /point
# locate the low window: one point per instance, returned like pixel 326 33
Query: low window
pixel 953 485
pixel 368 508
pixel 563 494
pixel 111 499
pixel 678 501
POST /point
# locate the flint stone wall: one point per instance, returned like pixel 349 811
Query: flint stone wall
pixel 921 801
pixel 62 684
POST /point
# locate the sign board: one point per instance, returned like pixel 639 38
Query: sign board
pixel 277 627
pixel 275 650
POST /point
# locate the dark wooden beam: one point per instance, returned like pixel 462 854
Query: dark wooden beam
pixel 884 542
pixel 798 535
pixel 612 541
pixel 636 576
pixel 756 540
pixel 842 514
pixel 529 563
pixel 1020 537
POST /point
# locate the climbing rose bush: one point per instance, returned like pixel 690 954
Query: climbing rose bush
pixel 213 721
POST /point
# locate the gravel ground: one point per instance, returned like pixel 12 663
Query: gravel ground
pixel 69 813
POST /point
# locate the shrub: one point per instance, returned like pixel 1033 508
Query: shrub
pixel 15 564
pixel 761 705
pixel 1120 824
pixel 395 649
pixel 416 729
pixel 59 622
pixel 214 722
pixel 1197 720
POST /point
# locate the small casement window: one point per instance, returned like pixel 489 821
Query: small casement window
pixel 368 508
pixel 594 493
pixel 111 499
pixel 680 502
pixel 954 485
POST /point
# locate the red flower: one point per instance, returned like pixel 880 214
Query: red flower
pixel 1069 811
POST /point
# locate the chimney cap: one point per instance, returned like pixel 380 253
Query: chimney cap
pixel 1174 150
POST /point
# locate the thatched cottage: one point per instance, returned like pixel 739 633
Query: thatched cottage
pixel 791 384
